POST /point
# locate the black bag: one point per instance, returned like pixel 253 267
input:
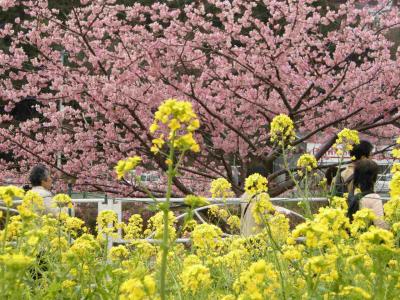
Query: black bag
pixel 340 187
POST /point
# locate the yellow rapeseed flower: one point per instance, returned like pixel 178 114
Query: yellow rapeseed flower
pixel 195 277
pixel 16 261
pixel 181 122
pixel 62 200
pixel 394 185
pixel 127 165
pixel 260 281
pixel 207 237
pixel 8 193
pixel 255 184
pixel 345 141
pixel 195 201
pixel 221 188
pixel 118 253
pixel 282 130
pixel 307 162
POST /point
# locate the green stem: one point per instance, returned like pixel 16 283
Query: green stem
pixel 5 230
pixel 306 198
pixel 165 209
pixel 299 189
pixel 275 249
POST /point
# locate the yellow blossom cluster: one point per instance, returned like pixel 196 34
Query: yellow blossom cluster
pixel 8 193
pixel 221 188
pixel 195 277
pixel 338 202
pixel 195 201
pixel 134 228
pixel 394 185
pixel 16 261
pixel 362 220
pixel 392 209
pixel 118 253
pixel 156 225
pixel 396 150
pixel 282 130
pixel 328 225
pixel 255 184
pixel 107 221
pixel 262 208
pixel 207 238
pixel 345 141
pixel 126 165
pixel 260 281
pixel 307 162
pixel 136 289
pixel 233 222
pixel 62 200
pixel 182 122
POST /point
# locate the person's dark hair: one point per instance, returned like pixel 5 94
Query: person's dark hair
pixel 365 176
pixel 364 148
pixel 330 174
pixel 38 174
pixel 260 169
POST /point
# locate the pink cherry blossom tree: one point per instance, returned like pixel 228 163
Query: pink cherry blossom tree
pixel 99 73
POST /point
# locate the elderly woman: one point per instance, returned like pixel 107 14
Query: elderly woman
pixel 41 182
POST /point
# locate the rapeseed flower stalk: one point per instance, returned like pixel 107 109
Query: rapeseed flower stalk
pixel 180 121
pixel 282 130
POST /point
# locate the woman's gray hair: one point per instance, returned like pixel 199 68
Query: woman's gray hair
pixel 38 174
